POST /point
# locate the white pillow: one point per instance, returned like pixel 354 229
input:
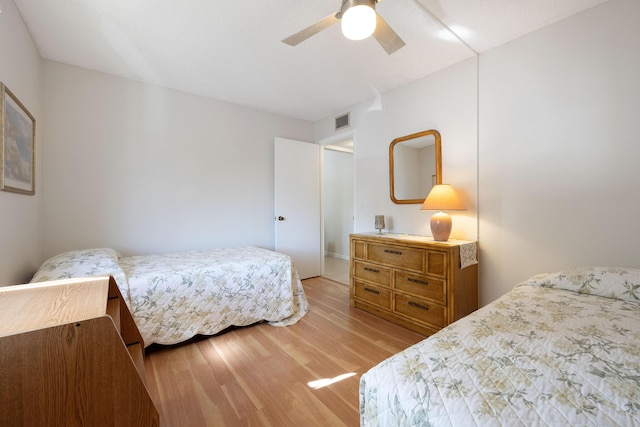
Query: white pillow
pixel 82 263
pixel 611 282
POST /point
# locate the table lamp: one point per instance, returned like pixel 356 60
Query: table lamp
pixel 441 197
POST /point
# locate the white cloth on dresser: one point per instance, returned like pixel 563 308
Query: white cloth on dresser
pixel 468 254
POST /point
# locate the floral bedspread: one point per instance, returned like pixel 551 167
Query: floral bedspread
pixel 177 296
pixel 559 349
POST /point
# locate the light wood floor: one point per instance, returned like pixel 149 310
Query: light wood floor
pixel 336 269
pixel 306 374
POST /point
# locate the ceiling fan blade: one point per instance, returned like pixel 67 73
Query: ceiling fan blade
pixel 311 30
pixel 387 38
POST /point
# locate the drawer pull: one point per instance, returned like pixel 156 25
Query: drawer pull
pixel 418 281
pixel 373 291
pixel 392 252
pixel 373 270
pixel 420 306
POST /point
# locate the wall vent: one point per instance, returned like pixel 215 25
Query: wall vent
pixel 342 122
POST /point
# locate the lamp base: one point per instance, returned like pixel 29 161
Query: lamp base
pixel 440 226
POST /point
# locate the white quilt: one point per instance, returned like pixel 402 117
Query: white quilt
pixel 561 349
pixel 177 296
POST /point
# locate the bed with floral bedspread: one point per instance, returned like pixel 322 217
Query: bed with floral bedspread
pixel 174 297
pixel 559 349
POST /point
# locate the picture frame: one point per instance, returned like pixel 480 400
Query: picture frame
pixel 17 145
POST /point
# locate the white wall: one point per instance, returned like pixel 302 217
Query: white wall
pixel 145 170
pixel 446 101
pixel 20 214
pixel 337 202
pixel 560 148
pixel 550 140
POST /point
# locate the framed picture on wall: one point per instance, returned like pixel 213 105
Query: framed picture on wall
pixel 17 138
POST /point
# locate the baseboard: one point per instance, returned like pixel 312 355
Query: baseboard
pixel 335 255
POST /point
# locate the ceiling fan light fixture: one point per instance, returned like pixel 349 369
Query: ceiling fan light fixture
pixel 358 19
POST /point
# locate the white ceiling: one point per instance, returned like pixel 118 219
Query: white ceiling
pixel 231 50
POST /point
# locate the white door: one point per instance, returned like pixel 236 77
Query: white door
pixel 297 204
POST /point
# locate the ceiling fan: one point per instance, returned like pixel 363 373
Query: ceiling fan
pixel 349 13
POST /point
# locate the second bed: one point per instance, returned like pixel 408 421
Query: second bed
pixel 174 297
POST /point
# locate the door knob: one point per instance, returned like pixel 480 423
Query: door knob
pixel 281 218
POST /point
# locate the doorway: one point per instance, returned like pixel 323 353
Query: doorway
pixel 338 207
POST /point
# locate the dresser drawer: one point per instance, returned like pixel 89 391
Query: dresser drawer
pixel 359 249
pixel 397 256
pixel 437 263
pixel 373 273
pixel 373 294
pixel 420 310
pixel 423 286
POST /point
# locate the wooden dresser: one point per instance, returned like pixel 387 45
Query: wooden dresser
pixel 71 354
pixel 412 281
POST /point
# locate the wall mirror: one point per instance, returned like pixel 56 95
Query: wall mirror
pixel 415 165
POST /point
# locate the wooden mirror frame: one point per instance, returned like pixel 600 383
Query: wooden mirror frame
pixel 396 141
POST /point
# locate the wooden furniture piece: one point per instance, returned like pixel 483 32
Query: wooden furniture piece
pixel 412 281
pixel 70 354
